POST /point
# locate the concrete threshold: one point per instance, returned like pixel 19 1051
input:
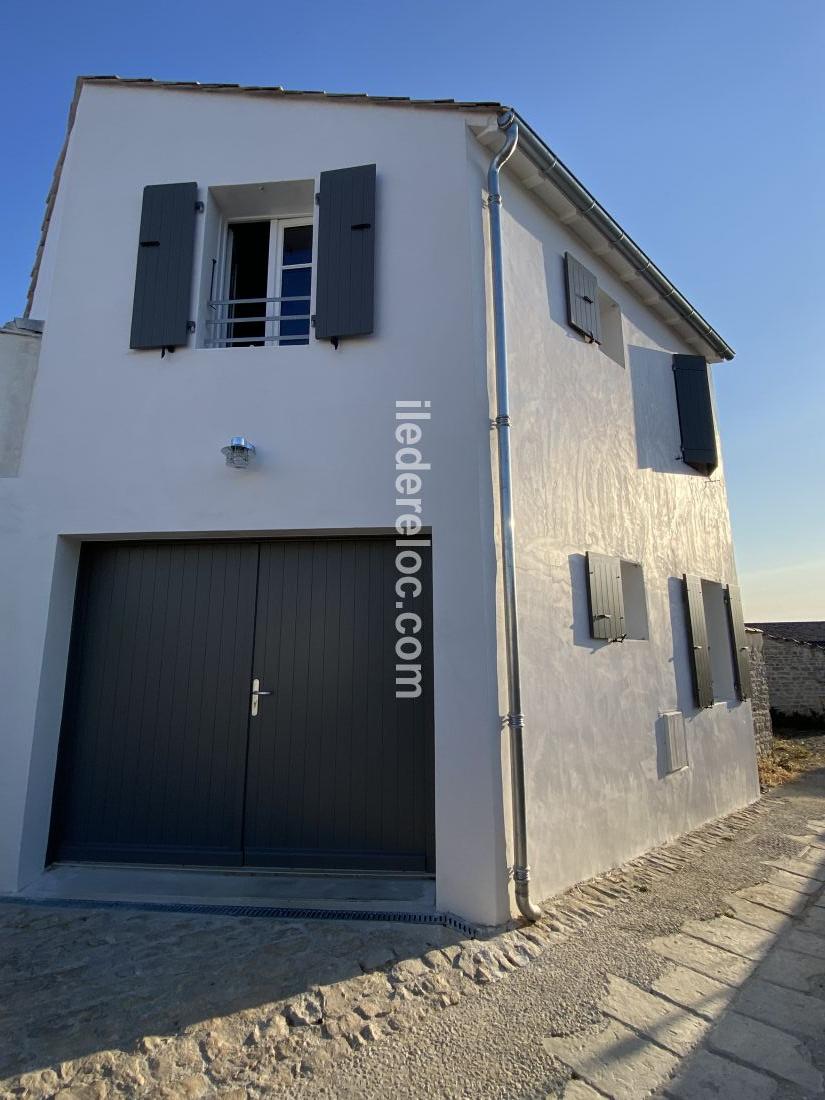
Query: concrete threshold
pixel 198 886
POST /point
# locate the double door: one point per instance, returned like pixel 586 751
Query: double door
pixel 168 755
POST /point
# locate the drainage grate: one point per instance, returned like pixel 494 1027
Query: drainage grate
pixel 273 912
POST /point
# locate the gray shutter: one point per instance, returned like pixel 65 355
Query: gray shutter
pixel 604 589
pixel 345 282
pixel 698 641
pixel 695 412
pixel 582 299
pixel 738 641
pixel 163 278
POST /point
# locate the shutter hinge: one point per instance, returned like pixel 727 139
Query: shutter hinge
pixel 312 320
pixel 199 207
pixel 317 198
pixel 190 326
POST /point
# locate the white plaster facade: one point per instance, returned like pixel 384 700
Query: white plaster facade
pixel 124 444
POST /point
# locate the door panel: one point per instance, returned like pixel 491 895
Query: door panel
pixel 153 745
pixel 340 771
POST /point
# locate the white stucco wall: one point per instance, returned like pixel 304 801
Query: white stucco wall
pixel 19 352
pixel 595 449
pixel 128 443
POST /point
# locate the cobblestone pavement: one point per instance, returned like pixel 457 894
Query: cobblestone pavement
pixel 696 971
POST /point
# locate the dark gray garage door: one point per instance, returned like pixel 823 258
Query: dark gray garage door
pixel 161 759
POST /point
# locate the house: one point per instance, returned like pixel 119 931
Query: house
pixel 308 561
pixel 794 654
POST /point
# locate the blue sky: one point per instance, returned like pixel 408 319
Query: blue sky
pixel 699 126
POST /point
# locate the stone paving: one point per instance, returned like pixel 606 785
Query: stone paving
pixel 97 1003
pixel 745 1002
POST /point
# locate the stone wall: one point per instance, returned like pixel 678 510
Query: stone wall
pixel 796 678
pixel 760 698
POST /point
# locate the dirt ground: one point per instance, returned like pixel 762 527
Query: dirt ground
pixel 793 754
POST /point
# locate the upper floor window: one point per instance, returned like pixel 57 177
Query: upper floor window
pixel 695 407
pixel 264 279
pixel 267 281
pixel 591 311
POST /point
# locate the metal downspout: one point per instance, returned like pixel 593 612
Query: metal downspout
pixel 515 719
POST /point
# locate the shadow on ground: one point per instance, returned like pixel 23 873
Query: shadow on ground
pixel 740 1010
pixel 77 982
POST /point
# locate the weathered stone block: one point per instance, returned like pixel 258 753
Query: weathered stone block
pixel 705 958
pixel 304 1010
pixel 783 1008
pixel 699 993
pixel 452 953
pixel 785 901
pixel 807 868
pixel 764 1047
pixel 345 1025
pixel 813 921
pixel 671 1027
pixel 370 1007
pixel 732 935
pixel 806 942
pixel 708 1077
pixel 757 915
pixel 408 970
pixel 794 970
pixel 578 1090
pixel 616 1061
pixel 794 882
pixel 334 1000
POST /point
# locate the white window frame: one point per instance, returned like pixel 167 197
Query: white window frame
pixel 276 271
pixel 274 275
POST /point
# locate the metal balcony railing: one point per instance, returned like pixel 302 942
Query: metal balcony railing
pixel 226 327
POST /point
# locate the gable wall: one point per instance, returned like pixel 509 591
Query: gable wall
pixel 124 443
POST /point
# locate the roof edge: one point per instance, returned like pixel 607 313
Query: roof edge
pixel 275 90
pixel 51 197
pixel 557 173
pixel 544 159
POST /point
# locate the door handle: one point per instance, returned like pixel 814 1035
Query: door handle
pixel 256 694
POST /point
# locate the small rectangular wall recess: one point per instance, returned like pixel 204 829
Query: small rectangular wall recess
pixel 675 741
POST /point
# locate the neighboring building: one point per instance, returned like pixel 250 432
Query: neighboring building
pixel 811 632
pixel 795 667
pixel 193 289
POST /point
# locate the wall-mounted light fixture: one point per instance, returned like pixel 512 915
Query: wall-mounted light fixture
pixel 238 452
